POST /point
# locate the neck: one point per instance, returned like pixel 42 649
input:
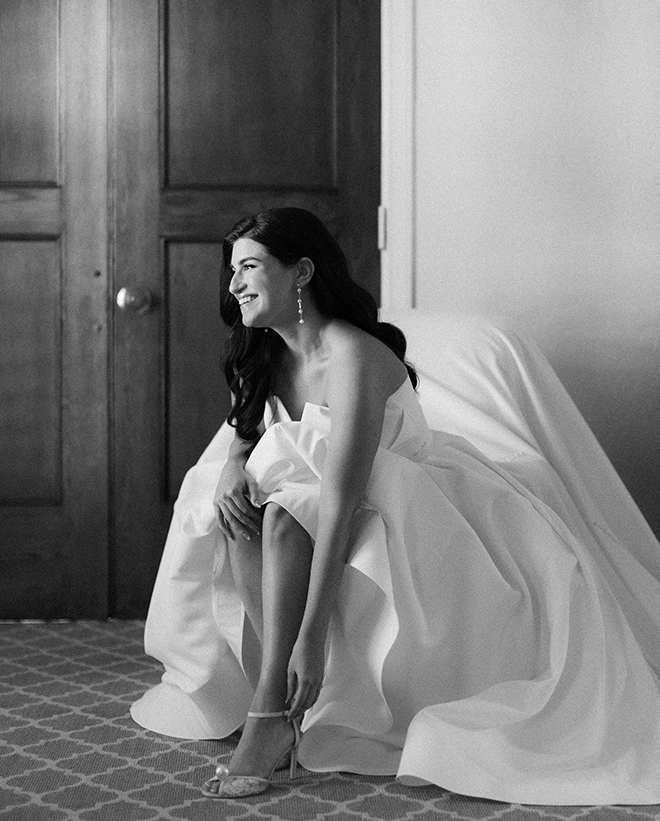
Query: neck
pixel 304 339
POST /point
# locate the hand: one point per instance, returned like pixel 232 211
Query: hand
pixel 236 502
pixel 305 675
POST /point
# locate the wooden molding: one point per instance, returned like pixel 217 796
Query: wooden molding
pixel 398 154
pixel 34 211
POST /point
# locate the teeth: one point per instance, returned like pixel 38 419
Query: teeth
pixel 245 299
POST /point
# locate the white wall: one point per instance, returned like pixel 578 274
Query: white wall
pixel 534 161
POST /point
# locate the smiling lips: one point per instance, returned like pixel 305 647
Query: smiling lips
pixel 243 300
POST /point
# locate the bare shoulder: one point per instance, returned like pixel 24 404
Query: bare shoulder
pixel 356 355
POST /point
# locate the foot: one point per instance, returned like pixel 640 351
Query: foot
pixel 264 745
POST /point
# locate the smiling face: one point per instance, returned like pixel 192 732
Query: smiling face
pixel 264 287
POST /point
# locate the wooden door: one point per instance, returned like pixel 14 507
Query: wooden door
pixel 220 108
pixel 53 252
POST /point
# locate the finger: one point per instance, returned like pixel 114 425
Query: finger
pixel 244 503
pixel 290 686
pixel 301 701
pixel 239 527
pixel 294 692
pixel 231 526
pixel 296 703
pixel 245 519
pixel 310 701
pixel 239 530
pixel 314 693
pixel 253 492
pixel 224 526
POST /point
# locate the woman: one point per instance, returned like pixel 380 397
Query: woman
pixel 313 354
pixel 424 612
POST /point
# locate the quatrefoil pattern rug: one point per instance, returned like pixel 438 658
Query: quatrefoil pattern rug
pixel 69 750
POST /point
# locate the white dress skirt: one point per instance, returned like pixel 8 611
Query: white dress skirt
pixel 494 634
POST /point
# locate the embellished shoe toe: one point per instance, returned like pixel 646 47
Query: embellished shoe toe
pixel 234 786
pixel 242 786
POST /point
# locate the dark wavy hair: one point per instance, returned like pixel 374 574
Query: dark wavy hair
pixel 252 355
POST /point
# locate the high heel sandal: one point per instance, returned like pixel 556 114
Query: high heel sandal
pixel 242 786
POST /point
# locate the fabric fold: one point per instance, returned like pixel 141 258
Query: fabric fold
pixel 495 631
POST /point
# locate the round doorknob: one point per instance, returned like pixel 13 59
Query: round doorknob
pixel 138 300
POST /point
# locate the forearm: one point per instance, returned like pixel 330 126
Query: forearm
pixel 358 409
pixel 329 560
pixel 239 450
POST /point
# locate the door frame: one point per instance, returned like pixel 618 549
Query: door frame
pixel 398 160
pixel 398 195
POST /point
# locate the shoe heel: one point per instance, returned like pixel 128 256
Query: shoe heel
pixel 293 766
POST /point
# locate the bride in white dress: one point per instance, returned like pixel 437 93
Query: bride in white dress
pixel 414 604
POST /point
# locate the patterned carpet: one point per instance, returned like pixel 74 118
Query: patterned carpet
pixel 68 749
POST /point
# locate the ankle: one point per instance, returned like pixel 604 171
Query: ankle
pixel 268 702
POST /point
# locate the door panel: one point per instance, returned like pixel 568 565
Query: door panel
pixel 246 83
pixel 28 92
pixel 30 354
pixel 53 202
pixel 196 393
pixel 222 108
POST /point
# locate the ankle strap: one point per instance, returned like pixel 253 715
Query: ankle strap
pixel 267 715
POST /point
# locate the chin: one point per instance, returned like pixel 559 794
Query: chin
pixel 250 322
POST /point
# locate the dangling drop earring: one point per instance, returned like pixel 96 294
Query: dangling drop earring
pixel 301 321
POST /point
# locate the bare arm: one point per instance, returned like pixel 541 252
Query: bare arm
pixel 357 394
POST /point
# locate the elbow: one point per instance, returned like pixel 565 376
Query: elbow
pixel 341 503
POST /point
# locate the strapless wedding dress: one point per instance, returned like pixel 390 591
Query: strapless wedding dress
pixel 482 640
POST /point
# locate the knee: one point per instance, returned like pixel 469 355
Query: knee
pixel 279 524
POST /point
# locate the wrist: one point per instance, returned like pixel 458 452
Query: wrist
pixel 313 631
pixel 237 460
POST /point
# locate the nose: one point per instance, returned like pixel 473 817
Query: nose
pixel 236 284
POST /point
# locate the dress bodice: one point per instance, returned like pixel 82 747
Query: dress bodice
pixel 405 430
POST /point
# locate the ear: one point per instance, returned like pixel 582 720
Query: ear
pixel 305 271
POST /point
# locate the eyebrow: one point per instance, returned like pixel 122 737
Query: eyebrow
pixel 243 261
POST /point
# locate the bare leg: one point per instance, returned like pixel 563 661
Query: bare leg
pixel 287 558
pixel 246 564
